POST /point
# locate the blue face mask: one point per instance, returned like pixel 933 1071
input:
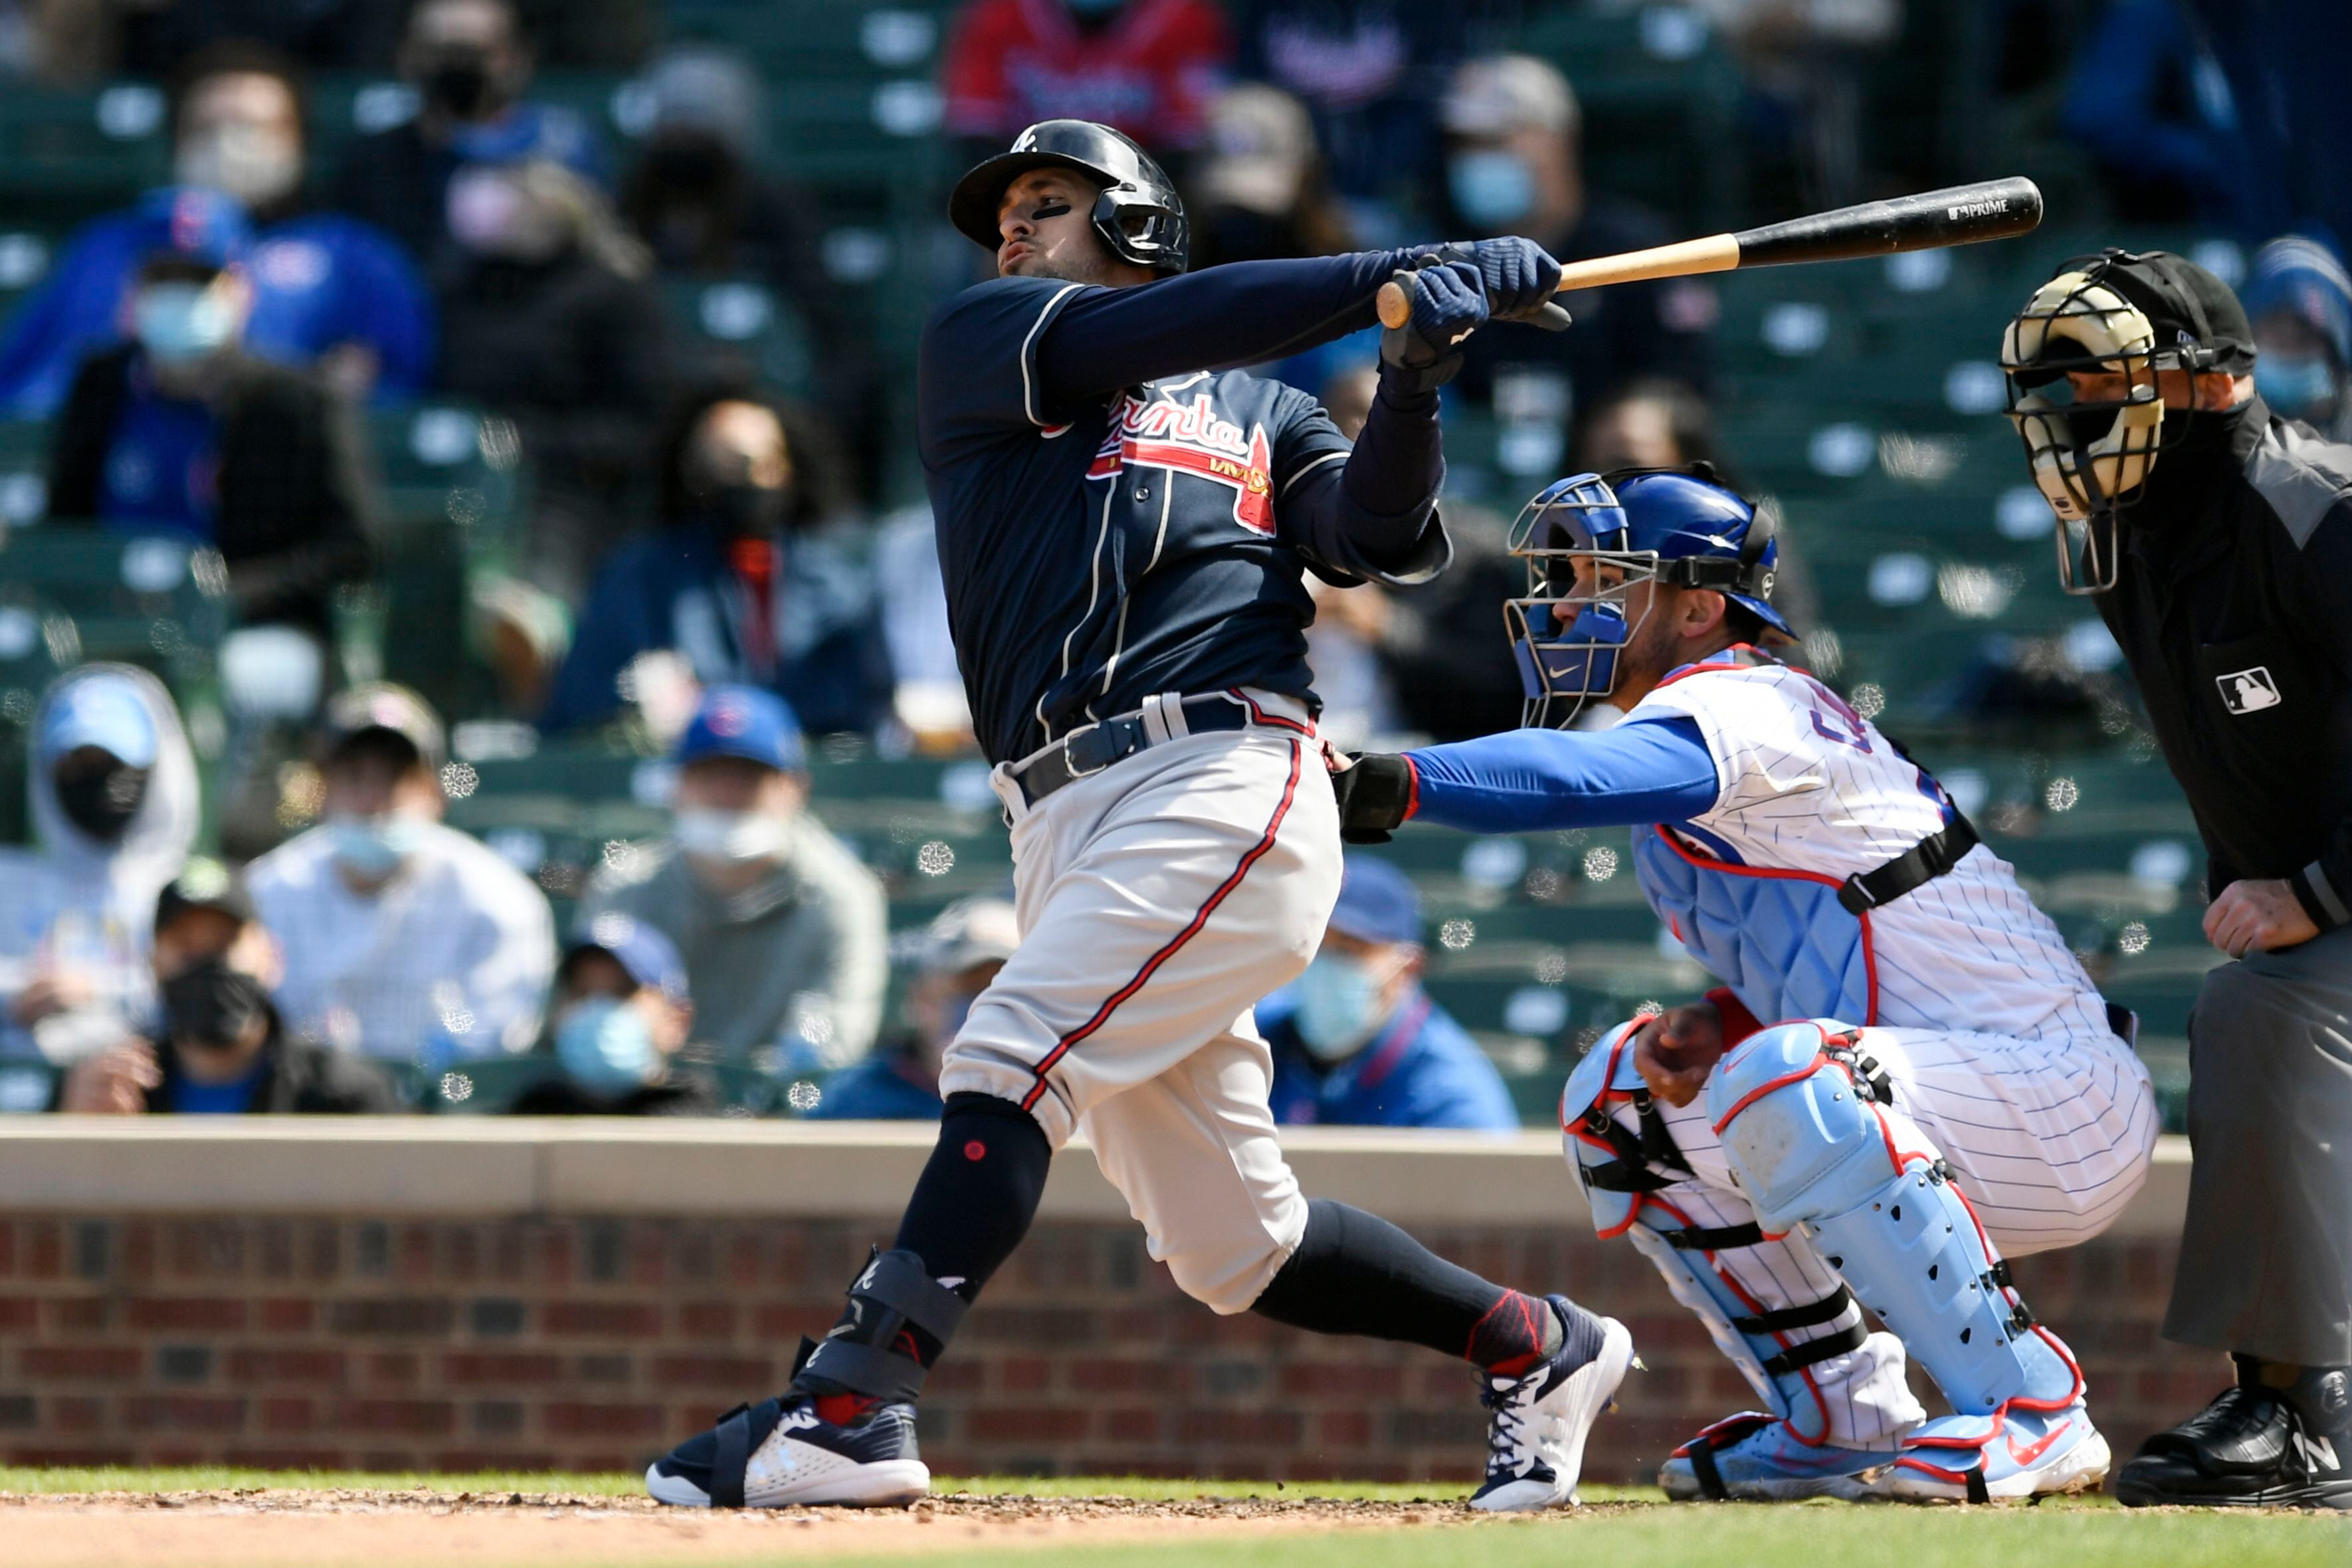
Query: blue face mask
pixel 1491 188
pixel 1339 1006
pixel 1579 664
pixel 605 1044
pixel 373 847
pixel 2293 385
pixel 177 323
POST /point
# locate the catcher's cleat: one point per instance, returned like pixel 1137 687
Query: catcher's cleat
pixel 2016 1453
pixel 1535 1437
pixel 784 1453
pixel 1757 1457
pixel 2252 1447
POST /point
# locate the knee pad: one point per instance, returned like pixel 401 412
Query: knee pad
pixel 1803 1115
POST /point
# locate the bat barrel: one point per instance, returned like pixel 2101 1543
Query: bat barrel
pixel 1962 215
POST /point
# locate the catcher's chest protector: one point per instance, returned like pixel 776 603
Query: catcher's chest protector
pixel 1779 939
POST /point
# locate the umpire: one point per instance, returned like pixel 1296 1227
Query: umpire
pixel 2215 540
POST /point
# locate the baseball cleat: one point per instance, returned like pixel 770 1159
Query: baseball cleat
pixel 1756 1458
pixel 782 1453
pixel 2250 1447
pixel 1996 1458
pixel 1535 1439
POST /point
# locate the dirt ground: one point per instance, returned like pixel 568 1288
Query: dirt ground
pixel 387 1529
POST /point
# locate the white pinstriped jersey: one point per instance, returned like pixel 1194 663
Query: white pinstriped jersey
pixel 1809 786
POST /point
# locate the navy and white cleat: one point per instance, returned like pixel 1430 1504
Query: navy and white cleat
pixel 782 1453
pixel 1535 1437
pixel 1996 1458
pixel 1754 1457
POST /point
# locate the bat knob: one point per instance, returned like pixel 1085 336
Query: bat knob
pixel 1394 307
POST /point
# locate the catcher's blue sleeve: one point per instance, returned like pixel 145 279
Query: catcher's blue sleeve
pixel 1522 781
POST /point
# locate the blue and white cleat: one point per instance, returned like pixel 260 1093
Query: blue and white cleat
pixel 1756 1458
pixel 782 1453
pixel 2015 1454
pixel 1535 1439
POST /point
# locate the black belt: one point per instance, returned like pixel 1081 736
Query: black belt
pixel 1084 752
pixel 1914 868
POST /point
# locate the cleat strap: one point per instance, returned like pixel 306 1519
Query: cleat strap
pixel 1814 1351
pixel 862 1369
pixel 1710 1479
pixel 896 1280
pixel 1975 1484
pixel 739 1432
pixel 1829 1309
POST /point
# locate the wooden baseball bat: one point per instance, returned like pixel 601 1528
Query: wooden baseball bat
pixel 1963 215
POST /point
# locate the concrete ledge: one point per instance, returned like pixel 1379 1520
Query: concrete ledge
pixel 395 1167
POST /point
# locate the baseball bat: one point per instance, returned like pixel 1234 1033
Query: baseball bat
pixel 1963 215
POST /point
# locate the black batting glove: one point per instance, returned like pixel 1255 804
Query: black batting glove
pixel 1448 304
pixel 1374 790
pixel 1519 280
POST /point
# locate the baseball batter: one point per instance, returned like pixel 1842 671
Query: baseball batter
pixel 1782 1176
pixel 1123 535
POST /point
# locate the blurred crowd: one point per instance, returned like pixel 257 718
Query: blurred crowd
pixel 713 564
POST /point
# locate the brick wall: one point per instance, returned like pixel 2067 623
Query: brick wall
pixel 587 1344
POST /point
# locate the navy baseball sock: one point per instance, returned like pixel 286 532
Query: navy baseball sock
pixel 1355 1273
pixel 972 1205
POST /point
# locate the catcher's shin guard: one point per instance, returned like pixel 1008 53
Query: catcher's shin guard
pixel 1809 1131
pixel 1624 1173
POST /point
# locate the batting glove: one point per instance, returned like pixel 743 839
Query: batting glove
pixel 1518 277
pixel 1374 791
pixel 1448 304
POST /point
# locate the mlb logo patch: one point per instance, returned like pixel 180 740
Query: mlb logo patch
pixel 2249 690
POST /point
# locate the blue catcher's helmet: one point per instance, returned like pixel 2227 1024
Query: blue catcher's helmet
pixel 1676 526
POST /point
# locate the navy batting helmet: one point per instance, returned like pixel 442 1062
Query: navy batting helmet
pixel 1139 214
pixel 1676 526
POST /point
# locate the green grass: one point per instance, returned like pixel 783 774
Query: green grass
pixel 1834 1535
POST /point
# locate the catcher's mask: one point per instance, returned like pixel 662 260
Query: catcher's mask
pixel 1676 526
pixel 2091 445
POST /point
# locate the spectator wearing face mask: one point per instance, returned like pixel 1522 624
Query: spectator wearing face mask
pixel 2300 301
pixel 220 1048
pixel 1514 164
pixel 786 935
pixel 471 62
pixel 750 579
pixel 549 317
pixel 961 953
pixel 1361 1044
pixel 330 294
pixel 702 198
pixel 621 1011
pixel 1144 66
pixel 114 802
pixel 182 431
pixel 403 939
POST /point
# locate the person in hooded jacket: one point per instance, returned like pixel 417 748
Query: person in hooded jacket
pixel 114 804
pixel 751 578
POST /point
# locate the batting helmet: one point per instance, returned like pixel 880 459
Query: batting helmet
pixel 1681 527
pixel 1139 214
pixel 2123 316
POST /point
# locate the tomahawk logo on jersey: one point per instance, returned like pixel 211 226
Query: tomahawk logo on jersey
pixel 1811 792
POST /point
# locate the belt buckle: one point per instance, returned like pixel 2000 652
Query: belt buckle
pixel 1097 743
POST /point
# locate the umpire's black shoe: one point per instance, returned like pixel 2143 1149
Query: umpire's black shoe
pixel 2252 1448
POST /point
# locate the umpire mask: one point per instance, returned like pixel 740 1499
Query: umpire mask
pixel 2083 362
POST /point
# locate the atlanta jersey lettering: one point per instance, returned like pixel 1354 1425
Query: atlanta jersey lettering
pixel 1809 786
pixel 1133 545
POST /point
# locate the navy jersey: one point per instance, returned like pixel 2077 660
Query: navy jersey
pixel 1109 547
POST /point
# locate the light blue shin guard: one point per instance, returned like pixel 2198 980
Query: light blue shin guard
pixel 1810 1143
pixel 1617 1172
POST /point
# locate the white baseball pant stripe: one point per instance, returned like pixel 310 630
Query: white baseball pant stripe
pixel 1159 899
pixel 2048 1138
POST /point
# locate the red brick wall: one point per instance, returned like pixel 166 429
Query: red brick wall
pixel 587 1345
